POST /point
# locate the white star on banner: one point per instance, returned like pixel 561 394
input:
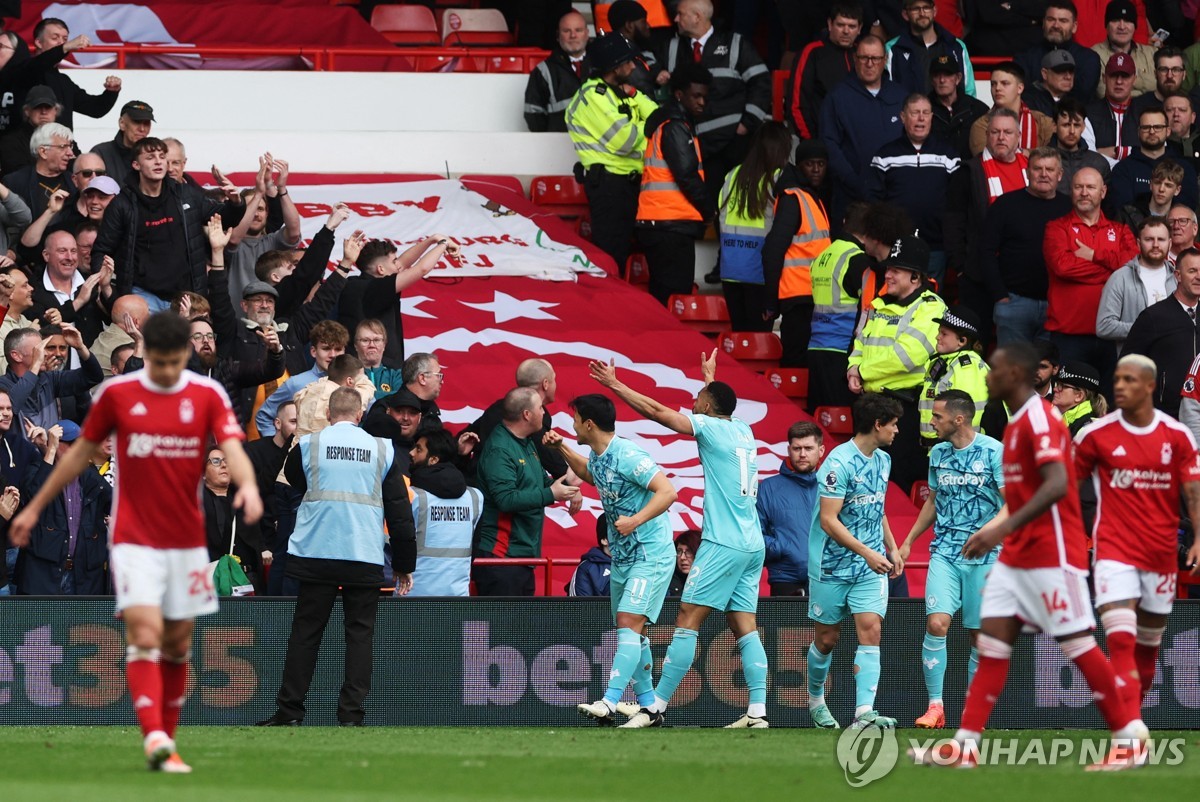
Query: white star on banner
pixel 411 304
pixel 505 307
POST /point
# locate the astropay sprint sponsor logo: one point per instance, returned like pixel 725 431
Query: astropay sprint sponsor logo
pixel 871 753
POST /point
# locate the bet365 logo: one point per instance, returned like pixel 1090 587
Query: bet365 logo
pixel 867 755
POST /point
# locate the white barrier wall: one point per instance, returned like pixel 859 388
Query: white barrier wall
pixel 338 121
pixel 342 121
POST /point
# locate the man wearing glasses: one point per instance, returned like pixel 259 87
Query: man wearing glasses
pixel 1131 176
pixel 859 117
pixel 910 54
pixel 1182 221
pixel 1169 75
pixel 52 145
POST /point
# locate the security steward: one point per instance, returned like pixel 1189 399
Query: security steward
pixel 674 204
pixel 893 349
pixel 605 121
pixel 799 234
pixel 351 486
pixel 957 366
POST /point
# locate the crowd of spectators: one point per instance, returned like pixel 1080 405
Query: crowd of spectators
pixel 894 225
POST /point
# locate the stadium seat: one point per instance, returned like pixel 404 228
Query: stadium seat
pixel 446 64
pixel 475 26
pixel 835 420
pixel 919 493
pixel 560 194
pixel 757 350
pixel 636 269
pixel 707 314
pixel 406 25
pixel 505 64
pixel 792 382
pixel 583 227
pixel 509 183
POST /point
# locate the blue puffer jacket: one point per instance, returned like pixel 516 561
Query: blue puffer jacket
pixel 591 578
pixel 786 506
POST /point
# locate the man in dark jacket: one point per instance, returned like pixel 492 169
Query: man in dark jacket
pixel 593 575
pixel 155 232
pixel 787 503
pixel 740 96
pixel 954 111
pixel 1070 120
pixel 1131 177
pixel 225 527
pixel 1166 332
pixel 34 390
pixel 51 35
pixel 555 81
pixel 822 65
pixel 914 172
pixel 919 44
pixel 858 117
pixel 1113 121
pixel 628 19
pixel 1057 81
pixel 132 127
pixel 1059 24
pixel 68 549
pixel 675 202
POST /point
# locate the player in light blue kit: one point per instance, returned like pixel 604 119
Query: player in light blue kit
pixel 729 562
pixel 966 491
pixel 635 493
pixel 851 554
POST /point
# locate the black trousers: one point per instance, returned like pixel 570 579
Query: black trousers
pixel 313 606
pixel 613 201
pixel 746 303
pixel 671 258
pixel 795 330
pixel 827 385
pixel 503 580
pixel 910 460
pixel 789 588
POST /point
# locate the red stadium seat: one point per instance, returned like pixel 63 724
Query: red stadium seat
pixel 505 64
pixel 757 350
pixel 559 194
pixel 919 493
pixel 446 64
pixel 506 182
pixel 704 313
pixel 583 227
pixel 406 25
pixel 835 420
pixel 475 26
pixel 637 271
pixel 792 382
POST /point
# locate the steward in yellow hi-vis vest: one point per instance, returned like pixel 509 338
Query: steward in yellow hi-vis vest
pixel 605 121
pixel 957 366
pixel 895 345
pixel 674 205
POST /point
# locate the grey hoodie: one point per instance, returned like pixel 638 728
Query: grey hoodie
pixel 1123 299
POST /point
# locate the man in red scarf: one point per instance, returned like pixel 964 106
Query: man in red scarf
pixel 1008 82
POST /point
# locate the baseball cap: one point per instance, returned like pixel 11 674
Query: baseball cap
pixel 962 320
pixel 609 52
pixel 1058 61
pixel 403 397
pixel 105 184
pixel 911 253
pixel 944 65
pixel 259 288
pixel 1120 64
pixel 70 431
pixel 1120 9
pixel 624 11
pixel 138 110
pixel 1079 375
pixel 40 95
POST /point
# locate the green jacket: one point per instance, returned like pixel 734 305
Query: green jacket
pixel 516 491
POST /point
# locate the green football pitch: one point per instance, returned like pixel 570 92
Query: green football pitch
pixel 97 764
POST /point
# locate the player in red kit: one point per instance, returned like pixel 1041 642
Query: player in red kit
pixel 163 418
pixel 1040 577
pixel 1140 461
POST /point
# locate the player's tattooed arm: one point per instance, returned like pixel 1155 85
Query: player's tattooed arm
pixel 1191 495
pixel 645 406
